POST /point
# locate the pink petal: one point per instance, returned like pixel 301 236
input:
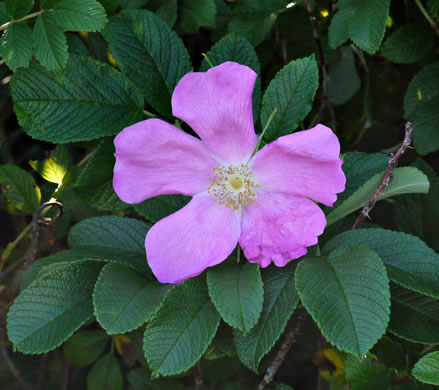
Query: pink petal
pixel 305 163
pixel 155 158
pixel 217 104
pixel 279 227
pixel 184 244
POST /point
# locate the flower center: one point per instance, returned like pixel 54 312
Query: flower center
pixel 232 186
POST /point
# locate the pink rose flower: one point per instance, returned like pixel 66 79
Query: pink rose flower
pixel 265 202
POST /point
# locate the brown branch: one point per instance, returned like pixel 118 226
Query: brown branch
pixel 198 377
pixel 282 353
pixel 387 178
pixel 325 103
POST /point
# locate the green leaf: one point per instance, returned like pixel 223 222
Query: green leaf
pixel 16 45
pixel 422 88
pixel 110 231
pixel 84 347
pixel 408 44
pixel 343 80
pixel 4 17
pixel 427 369
pixel 140 379
pixel 358 167
pixel 254 19
pixel 167 11
pixel 339 28
pixel 366 374
pixel 406 180
pixel 179 333
pixel 87 100
pixel 133 3
pixel 348 297
pixel 237 293
pixel 76 45
pixel 18 8
pixel 160 207
pixel 414 317
pixel 237 49
pixel 54 168
pixel 47 312
pixel 368 24
pixel 95 181
pixel 110 5
pixel 149 53
pixel 106 374
pixel 425 131
pixel 408 260
pixel 193 14
pixel 433 8
pixel 280 300
pixel 292 93
pixel 418 214
pixel 80 15
pixel 19 188
pixel 124 300
pixel 50 43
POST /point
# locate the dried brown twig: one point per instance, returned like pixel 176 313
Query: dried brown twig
pixel 282 353
pixel 387 178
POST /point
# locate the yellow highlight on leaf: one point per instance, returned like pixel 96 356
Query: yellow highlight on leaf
pixel 84 35
pixel 324 13
pixel 119 340
pixel 419 94
pixel 111 60
pixel 389 22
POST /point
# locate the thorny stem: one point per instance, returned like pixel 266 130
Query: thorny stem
pixel 270 118
pixel 30 16
pixel 393 160
pixel 325 103
pixel 282 353
pixel 433 24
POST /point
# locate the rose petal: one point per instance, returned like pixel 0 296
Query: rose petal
pixel 200 235
pixel 217 104
pixel 304 163
pixel 279 227
pixel 155 158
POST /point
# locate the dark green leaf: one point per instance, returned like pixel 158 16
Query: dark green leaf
pixel 87 100
pixel 124 300
pixel 160 207
pixel 110 231
pixel 348 296
pixel 133 3
pixel 47 312
pixel 80 15
pixel 18 8
pixel 425 128
pixel 76 45
pixel 95 181
pixel 414 317
pixel 140 379
pixel 237 293
pixel 339 27
pixel 366 374
pixel 408 260
pixel 167 11
pixel 179 333
pixel 280 300
pixel 50 43
pixel 4 17
pixel 84 347
pixel 408 44
pixel 292 93
pixel 343 80
pixel 193 14
pixel 110 5
pixel 106 374
pixel 237 49
pixel 433 8
pixel 19 188
pixel 149 53
pixel 16 45
pixel 427 369
pixel 422 88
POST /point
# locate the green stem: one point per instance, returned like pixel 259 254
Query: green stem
pixel 270 118
pixel 30 16
pixel 207 59
pixel 238 256
pixel 427 16
pixel 150 114
pixel 11 246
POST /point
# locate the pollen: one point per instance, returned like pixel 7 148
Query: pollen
pixel 232 186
